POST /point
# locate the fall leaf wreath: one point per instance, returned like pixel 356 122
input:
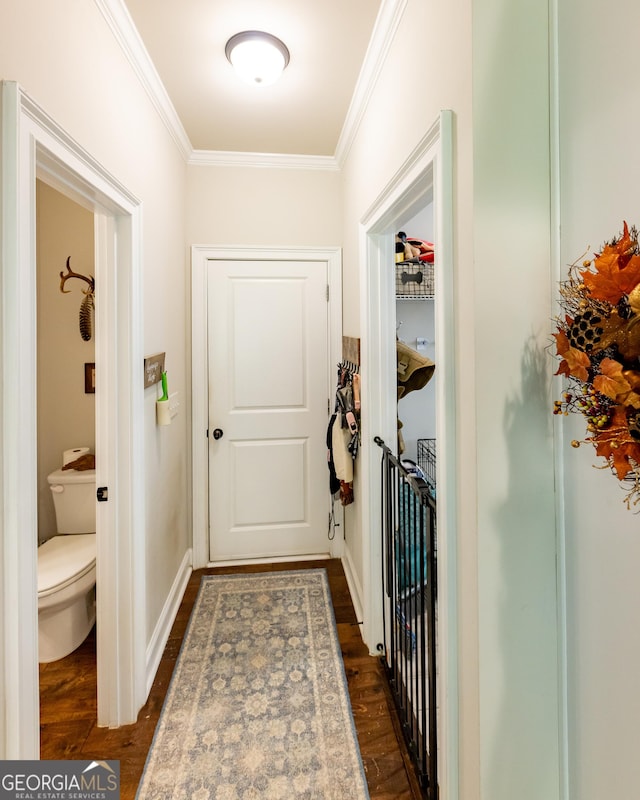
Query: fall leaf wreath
pixel 598 341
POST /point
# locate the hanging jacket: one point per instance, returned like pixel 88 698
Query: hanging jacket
pixel 334 481
pixel 342 459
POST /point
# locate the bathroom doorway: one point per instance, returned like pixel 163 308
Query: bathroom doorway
pixel 34 146
pixel 66 404
pixel 66 419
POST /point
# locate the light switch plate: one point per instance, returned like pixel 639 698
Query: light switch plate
pixel 174 404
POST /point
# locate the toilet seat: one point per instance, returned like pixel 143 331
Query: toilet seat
pixel 64 559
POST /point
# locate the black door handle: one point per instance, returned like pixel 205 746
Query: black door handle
pixel 218 433
pixel 103 494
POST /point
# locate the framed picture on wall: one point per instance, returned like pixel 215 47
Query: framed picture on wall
pixel 90 378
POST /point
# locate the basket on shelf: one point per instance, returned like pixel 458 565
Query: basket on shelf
pixel 414 279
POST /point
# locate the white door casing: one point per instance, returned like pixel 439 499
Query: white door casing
pixel 203 260
pixel 268 390
pixel 33 145
pixel 428 169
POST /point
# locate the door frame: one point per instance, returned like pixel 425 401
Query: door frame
pixel 427 172
pixel 204 257
pixel 34 146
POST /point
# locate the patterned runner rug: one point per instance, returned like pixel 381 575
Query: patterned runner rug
pixel 257 708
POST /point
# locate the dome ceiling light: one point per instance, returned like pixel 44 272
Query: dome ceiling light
pixel 258 58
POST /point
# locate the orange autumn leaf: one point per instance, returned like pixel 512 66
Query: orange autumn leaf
pixel 612 279
pixel 616 446
pixel 611 381
pixel 618 384
pixel 629 273
pixel 632 377
pixel 577 364
pixel 616 431
pixel 562 347
pixel 562 342
pixel 621 456
pixel 623 246
pixel 632 398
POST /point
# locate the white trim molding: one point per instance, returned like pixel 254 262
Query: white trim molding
pixel 160 635
pixel 558 275
pixel 18 524
pixel 222 158
pixel 119 20
pixel 353 582
pixel 384 31
pixel 201 256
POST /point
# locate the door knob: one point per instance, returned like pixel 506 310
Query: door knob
pixel 218 433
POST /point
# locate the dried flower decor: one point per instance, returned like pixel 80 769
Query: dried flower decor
pixel 598 342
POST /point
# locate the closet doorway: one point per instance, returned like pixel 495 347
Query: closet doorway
pixel 415 340
pixel 426 175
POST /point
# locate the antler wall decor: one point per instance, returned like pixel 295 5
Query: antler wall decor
pixel 87 304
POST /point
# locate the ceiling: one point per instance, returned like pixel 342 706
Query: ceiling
pixel 303 113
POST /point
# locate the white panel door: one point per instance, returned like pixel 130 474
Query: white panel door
pixel 268 390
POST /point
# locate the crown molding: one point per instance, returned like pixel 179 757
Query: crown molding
pixel 228 158
pixel 384 31
pixel 127 36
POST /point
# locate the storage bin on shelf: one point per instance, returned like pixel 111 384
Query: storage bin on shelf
pixel 414 280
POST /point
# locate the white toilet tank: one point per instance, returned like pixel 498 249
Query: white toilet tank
pixel 74 499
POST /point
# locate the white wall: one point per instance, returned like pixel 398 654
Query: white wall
pixel 600 174
pixel 66 415
pixel 230 205
pixel 518 671
pixel 64 55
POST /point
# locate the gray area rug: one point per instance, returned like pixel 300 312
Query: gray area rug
pixel 257 708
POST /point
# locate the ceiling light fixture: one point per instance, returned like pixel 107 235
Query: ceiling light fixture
pixel 258 58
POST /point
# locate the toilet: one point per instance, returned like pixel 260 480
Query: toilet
pixel 67 566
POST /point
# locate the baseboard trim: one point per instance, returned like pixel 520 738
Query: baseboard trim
pixel 158 641
pixel 355 589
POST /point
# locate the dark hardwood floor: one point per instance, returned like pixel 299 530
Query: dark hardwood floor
pixel 68 700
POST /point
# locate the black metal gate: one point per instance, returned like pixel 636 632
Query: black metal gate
pixel 410 607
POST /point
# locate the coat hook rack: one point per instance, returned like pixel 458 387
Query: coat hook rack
pixel 351 350
pixel 71 274
pixel 87 304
